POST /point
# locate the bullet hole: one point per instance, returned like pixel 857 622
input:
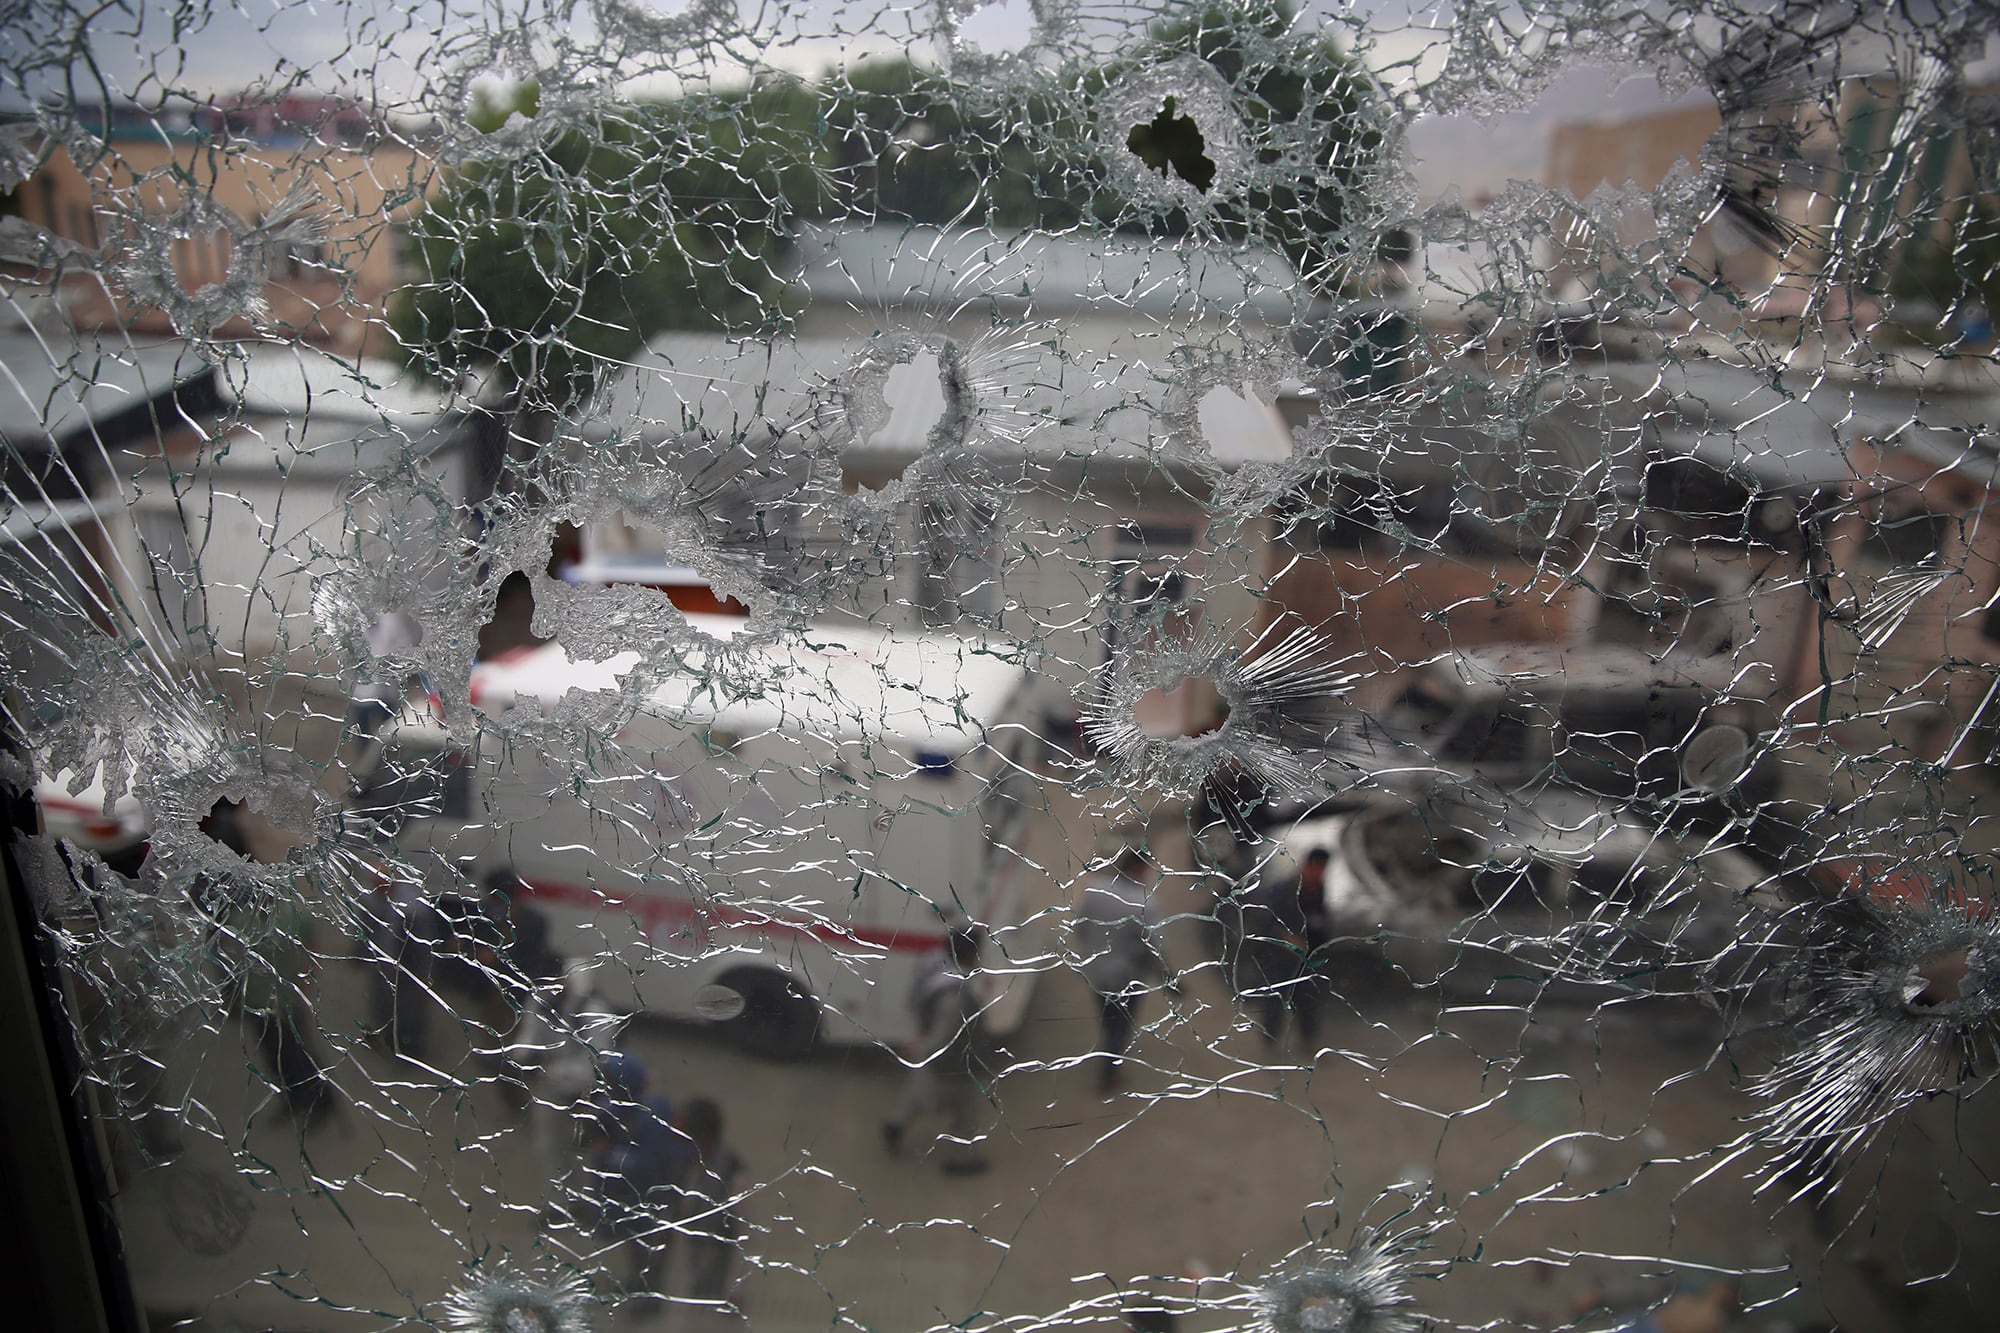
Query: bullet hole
pixel 1172 145
pixel 224 823
pixel 1190 706
pixel 1225 416
pixel 509 1300
pixel 1005 27
pixel 513 615
pixel 1353 1296
pixel 496 97
pixel 917 390
pixel 394 632
pixel 1332 1313
pixel 1943 977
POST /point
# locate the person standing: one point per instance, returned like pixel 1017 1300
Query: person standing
pixel 635 1157
pixel 397 925
pixel 1117 934
pixel 562 1041
pixel 462 958
pixel 704 1196
pixel 522 971
pixel 1286 930
pixel 531 957
pixel 278 968
pixel 945 1056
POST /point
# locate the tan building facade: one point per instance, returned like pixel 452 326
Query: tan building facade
pixel 1840 180
pixel 326 286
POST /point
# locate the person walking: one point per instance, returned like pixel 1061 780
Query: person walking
pixel 1286 929
pixel 945 1056
pixel 1117 936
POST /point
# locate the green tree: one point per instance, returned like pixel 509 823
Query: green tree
pixel 910 145
pixel 1950 274
pixel 549 270
pixel 903 147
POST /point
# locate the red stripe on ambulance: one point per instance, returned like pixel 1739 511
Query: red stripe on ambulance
pixel 654 911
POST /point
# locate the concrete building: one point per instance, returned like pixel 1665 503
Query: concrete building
pixel 244 523
pixel 1079 420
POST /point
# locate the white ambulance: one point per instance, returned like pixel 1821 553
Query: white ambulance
pixel 777 861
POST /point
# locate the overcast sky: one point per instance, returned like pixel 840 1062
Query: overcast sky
pixel 386 43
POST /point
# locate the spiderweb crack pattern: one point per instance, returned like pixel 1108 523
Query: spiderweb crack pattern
pixel 1320 666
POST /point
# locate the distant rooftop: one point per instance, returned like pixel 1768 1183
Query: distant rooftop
pixel 290 121
pixel 938 270
pixel 306 408
pixel 54 385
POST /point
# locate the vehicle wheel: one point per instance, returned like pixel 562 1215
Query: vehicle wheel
pixel 779 1019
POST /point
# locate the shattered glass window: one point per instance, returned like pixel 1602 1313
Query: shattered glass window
pixel 1150 664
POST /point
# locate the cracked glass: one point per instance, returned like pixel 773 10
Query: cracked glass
pixel 1174 664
